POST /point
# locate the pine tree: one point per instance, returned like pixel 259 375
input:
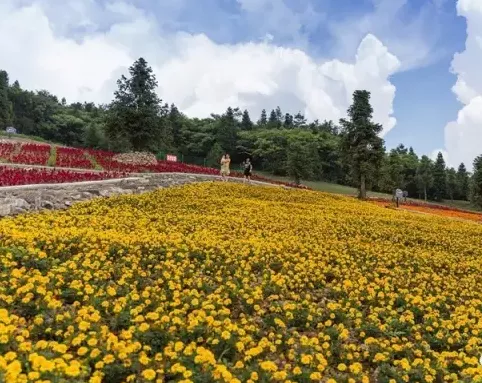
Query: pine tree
pixel 226 132
pixel 175 120
pixel 477 182
pixel 5 104
pixel 134 115
pixel 360 144
pixel 288 122
pixel 462 182
pixel 273 120
pixel 246 123
pixel 299 120
pixel 451 183
pixel 263 120
pixel 424 175
pixel 279 116
pixel 439 178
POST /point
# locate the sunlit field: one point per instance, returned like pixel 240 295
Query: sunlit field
pixel 230 283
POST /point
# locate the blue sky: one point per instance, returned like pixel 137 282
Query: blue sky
pixel 424 102
pixel 304 55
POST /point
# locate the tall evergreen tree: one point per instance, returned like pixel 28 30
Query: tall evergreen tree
pixel 424 176
pixel 462 182
pixel 477 182
pixel 299 120
pixel 226 132
pixel 439 178
pixel 279 115
pixel 263 120
pixel 5 104
pixel 175 120
pixel 246 123
pixel 360 144
pixel 288 121
pixel 134 115
pixel 451 191
pixel 273 121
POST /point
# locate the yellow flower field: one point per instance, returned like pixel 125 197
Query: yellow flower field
pixel 231 283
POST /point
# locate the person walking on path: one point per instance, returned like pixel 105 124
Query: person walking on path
pixel 248 170
pixel 225 162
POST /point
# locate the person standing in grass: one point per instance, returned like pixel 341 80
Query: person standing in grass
pixel 248 170
pixel 225 162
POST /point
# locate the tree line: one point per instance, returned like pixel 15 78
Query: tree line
pixel 347 152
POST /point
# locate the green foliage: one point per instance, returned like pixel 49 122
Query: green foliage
pixel 439 178
pixel 52 161
pixel 398 170
pixel 133 120
pixel 451 183
pixel 263 120
pixel 226 132
pixel 69 129
pixel 301 160
pixel 360 142
pixel 5 104
pixel 477 182
pixel 275 120
pixel 246 123
pixel 462 191
pixel 93 137
pixel 283 144
pixel 424 176
pixel 214 156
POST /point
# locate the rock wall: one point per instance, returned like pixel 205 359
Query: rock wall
pixel 21 199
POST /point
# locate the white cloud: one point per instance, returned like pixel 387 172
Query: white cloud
pixel 194 72
pixel 411 35
pixel 462 137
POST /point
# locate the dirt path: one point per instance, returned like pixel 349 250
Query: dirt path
pixel 441 216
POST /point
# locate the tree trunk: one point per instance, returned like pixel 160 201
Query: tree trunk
pixel 363 187
pixel 425 193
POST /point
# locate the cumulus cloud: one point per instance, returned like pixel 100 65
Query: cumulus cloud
pixel 411 34
pixel 194 72
pixel 462 137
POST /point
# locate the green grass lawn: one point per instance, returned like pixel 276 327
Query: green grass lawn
pixel 350 191
pixel 326 186
pixel 23 137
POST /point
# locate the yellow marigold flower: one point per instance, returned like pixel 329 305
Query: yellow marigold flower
pixel 149 374
pixel 316 376
pixel 268 366
pixel 73 370
pixel 342 367
pixel 356 368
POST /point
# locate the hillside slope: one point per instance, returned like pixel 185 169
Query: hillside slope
pixel 231 283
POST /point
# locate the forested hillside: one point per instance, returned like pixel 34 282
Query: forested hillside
pixel 279 142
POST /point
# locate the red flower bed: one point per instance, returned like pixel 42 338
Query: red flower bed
pixel 38 154
pixel 6 150
pixel 21 176
pixel 72 158
pixel 32 154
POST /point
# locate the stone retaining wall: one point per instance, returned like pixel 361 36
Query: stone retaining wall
pixel 21 199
